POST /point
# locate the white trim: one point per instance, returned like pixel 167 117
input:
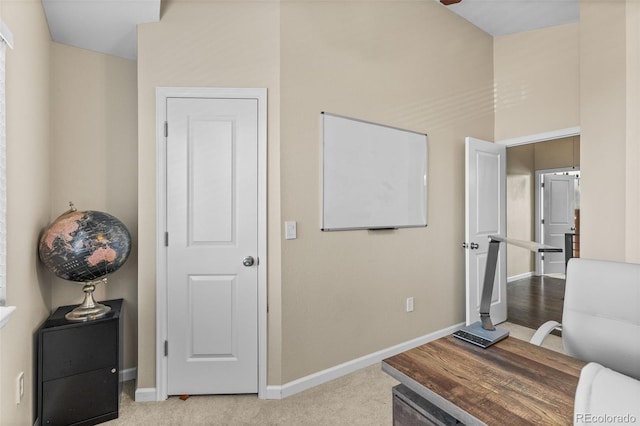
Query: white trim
pixel 6 34
pixel 537 217
pixel 3 174
pixel 519 277
pixel 541 137
pixel 162 94
pixel 315 379
pixel 145 395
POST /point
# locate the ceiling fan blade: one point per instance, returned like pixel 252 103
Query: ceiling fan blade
pixel 449 2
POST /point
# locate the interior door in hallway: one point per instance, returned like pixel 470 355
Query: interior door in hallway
pixel 558 218
pixel 485 215
pixel 212 224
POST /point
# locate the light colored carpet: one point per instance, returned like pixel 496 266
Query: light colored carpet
pixel 360 398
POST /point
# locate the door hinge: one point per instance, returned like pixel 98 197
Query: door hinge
pixel 166 239
pixel 166 348
pixel 542 221
pixel 166 129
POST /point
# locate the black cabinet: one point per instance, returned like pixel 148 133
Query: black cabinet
pixel 78 367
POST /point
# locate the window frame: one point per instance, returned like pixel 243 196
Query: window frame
pixel 6 40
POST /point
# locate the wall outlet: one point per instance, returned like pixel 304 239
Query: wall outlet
pixel 409 304
pixel 19 387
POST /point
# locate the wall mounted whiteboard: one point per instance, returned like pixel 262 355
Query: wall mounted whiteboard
pixel 373 176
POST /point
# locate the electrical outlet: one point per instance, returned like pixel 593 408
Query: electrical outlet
pixel 19 387
pixel 409 304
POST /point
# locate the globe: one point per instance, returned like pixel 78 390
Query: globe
pixel 85 246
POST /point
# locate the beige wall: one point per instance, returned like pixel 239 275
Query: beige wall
pixel 337 295
pixel 28 201
pixel 632 194
pixel 557 153
pixel 343 293
pixel 71 135
pixel 609 109
pixel 537 81
pixel 205 44
pixel 537 91
pixel 520 207
pixel 94 159
pixel 522 163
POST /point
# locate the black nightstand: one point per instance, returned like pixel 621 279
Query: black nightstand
pixel 78 367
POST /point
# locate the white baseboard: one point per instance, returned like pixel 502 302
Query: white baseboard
pixel 141 394
pixel 315 379
pixel 128 374
pixel 146 395
pixel 519 277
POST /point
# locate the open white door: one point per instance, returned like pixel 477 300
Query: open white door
pixel 485 215
pixel 558 216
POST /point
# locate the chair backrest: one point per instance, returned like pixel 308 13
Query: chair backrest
pixel 605 394
pixel 601 315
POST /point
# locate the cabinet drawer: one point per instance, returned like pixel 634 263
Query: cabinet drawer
pixel 80 398
pixel 75 350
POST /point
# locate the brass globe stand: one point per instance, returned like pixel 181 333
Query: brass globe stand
pixel 89 309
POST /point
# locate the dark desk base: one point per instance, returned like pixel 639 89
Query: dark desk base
pixel 410 409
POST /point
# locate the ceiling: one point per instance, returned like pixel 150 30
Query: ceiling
pixel 109 26
pixel 501 17
pixel 106 26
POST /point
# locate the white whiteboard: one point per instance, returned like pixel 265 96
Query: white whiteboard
pixel 373 176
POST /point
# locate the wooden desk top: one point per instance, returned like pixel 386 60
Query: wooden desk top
pixel 510 383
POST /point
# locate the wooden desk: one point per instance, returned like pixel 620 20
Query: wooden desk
pixel 510 383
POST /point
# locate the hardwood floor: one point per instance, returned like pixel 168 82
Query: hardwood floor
pixel 535 300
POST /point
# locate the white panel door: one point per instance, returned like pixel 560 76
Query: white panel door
pixel 559 218
pixel 212 295
pixel 485 215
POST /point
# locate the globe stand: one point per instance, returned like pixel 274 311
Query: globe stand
pixel 89 309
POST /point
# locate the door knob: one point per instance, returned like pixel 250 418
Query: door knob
pixel 474 246
pixel 248 261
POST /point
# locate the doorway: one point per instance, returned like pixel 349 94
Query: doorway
pixel 532 296
pixel 207 314
pixel 524 195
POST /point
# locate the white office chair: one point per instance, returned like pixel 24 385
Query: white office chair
pixel 601 315
pixel 604 396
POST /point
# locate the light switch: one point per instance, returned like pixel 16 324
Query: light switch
pixel 290 230
pixel 409 304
